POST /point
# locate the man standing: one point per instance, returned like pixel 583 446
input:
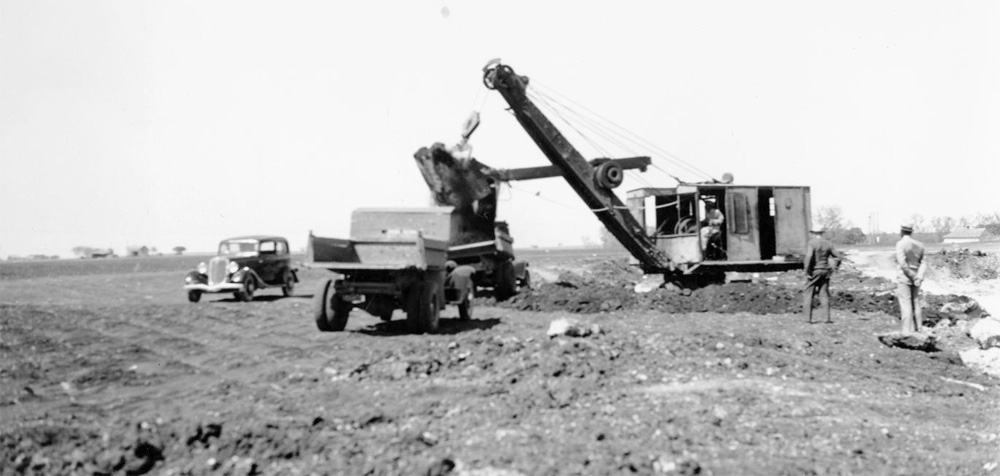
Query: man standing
pixel 821 260
pixel 910 260
pixel 711 225
pixel 459 279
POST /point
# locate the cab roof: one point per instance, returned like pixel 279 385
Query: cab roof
pixel 255 238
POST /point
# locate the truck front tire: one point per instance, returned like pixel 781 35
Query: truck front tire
pixel 504 281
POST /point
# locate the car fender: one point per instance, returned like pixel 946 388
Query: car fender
pixel 241 275
pixel 194 277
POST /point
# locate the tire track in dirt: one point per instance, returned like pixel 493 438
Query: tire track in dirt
pixel 208 343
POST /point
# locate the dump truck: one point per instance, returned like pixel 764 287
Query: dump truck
pixel 765 228
pixel 395 259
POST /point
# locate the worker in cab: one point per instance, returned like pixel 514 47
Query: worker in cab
pixel 711 226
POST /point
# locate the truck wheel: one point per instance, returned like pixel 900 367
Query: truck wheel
pixel 331 312
pixel 289 284
pixel 411 301
pixel 430 308
pixel 504 285
pixel 194 295
pixel 423 308
pixel 249 286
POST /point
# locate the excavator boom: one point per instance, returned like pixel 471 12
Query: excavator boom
pixel 592 183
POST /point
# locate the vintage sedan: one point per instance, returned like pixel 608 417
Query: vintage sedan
pixel 244 265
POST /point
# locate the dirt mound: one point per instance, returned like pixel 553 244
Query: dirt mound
pixel 965 264
pixel 608 286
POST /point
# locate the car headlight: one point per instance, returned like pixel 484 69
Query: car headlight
pixel 233 267
pixel 203 268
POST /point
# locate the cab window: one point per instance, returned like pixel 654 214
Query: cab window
pixel 267 247
pixel 282 248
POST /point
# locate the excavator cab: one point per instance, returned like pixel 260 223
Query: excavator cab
pixel 763 227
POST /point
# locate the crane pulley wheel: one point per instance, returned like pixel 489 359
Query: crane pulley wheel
pixel 609 175
pixel 490 74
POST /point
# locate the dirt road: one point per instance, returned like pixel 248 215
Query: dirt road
pixel 115 373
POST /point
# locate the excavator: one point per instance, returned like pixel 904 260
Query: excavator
pixel 765 226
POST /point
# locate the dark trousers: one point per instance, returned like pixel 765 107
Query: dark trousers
pixel 819 283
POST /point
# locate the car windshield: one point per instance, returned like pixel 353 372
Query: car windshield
pixel 236 248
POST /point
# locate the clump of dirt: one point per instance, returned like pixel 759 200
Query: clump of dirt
pixel 966 264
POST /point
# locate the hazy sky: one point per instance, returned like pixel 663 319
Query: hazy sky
pixel 182 123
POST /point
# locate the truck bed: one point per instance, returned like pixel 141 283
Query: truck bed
pixel 388 253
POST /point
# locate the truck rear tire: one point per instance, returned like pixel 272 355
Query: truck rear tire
pixel 331 312
pixel 505 283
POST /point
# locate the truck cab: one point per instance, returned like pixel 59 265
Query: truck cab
pixel 765 227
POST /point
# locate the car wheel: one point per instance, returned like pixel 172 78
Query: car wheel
pixel 194 295
pixel 331 312
pixel 289 287
pixel 249 286
pixel 526 280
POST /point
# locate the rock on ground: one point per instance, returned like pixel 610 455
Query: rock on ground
pixel 987 361
pixel 984 329
pixel 913 341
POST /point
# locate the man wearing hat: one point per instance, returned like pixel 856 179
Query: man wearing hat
pixel 821 260
pixel 910 260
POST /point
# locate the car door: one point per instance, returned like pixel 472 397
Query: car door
pixel 266 261
pixel 282 260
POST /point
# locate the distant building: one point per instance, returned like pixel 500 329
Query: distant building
pixel 967 235
pixel 108 253
pixel 138 251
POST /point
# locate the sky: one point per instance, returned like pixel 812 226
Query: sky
pixel 182 123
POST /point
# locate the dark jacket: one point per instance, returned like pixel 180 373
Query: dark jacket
pixel 820 256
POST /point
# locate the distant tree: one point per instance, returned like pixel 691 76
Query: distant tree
pixel 830 218
pixel 179 250
pixel 84 251
pixel 942 225
pixel 918 222
pixel 965 221
pixel 991 222
pixel 588 241
pixel 853 236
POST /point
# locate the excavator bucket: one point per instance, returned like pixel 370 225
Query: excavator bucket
pixel 463 183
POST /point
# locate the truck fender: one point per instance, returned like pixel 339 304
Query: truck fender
pixel 520 269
